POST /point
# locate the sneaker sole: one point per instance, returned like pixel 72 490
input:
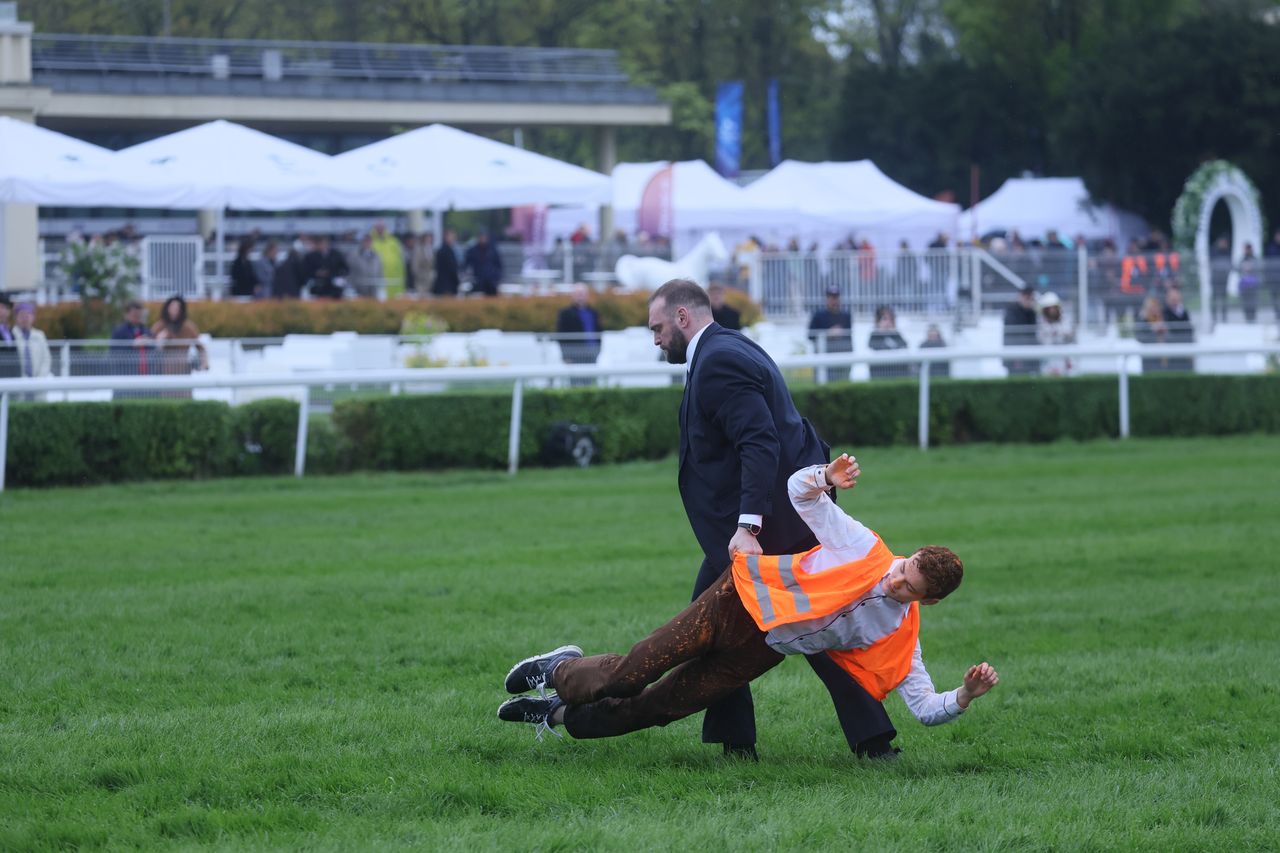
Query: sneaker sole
pixel 511 671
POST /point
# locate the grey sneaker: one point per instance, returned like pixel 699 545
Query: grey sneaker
pixel 535 673
pixel 531 709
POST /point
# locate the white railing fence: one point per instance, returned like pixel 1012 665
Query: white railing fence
pixel 1127 359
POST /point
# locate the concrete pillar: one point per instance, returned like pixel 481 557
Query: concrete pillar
pixel 417 221
pixel 608 153
pixel 21 267
pixel 20 263
pixel 207 222
pixel 15 47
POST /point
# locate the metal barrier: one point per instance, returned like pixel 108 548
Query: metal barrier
pixel 1126 358
pixel 172 266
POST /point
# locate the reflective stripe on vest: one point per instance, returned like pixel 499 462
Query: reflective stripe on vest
pixel 884 664
pixel 776 590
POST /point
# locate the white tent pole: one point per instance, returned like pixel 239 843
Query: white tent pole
pixel 220 246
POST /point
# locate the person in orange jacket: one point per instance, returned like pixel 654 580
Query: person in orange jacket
pixel 849 597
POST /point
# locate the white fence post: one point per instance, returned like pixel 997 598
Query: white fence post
pixel 1082 283
pixel 300 452
pixel 513 440
pixel 924 405
pixel 1124 396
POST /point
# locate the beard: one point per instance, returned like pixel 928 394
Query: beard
pixel 677 351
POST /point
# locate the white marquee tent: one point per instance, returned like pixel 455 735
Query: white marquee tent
pixel 439 167
pixel 855 197
pixel 41 166
pixel 1034 206
pixel 223 164
pixel 702 201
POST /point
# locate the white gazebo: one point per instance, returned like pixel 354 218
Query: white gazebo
pixel 1035 206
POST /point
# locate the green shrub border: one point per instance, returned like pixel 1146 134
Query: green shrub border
pixel 85 443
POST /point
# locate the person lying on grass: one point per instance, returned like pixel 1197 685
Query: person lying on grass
pixel 849 597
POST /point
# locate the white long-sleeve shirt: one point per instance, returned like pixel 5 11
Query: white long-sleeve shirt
pixel 872 617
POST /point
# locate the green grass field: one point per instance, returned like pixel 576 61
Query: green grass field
pixel 316 664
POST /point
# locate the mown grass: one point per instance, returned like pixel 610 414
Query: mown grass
pixel 271 663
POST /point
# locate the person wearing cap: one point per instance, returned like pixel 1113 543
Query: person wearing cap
pixel 1052 331
pixel 850 600
pixel 1020 331
pixel 831 330
pixel 33 350
pixel 9 366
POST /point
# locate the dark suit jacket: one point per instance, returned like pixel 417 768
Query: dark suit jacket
pixel 446 283
pixel 579 350
pixel 741 438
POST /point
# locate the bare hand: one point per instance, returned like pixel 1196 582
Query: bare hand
pixel 977 681
pixel 744 542
pixel 843 472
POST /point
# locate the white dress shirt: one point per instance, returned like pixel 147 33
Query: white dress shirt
pixel 872 617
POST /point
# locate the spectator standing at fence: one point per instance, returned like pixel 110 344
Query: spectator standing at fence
pixel 325 269
pixel 907 269
pixel 244 279
pixel 446 266
pixel 885 336
pixel 9 366
pixel 933 340
pixel 1020 331
pixel 33 349
pixel 175 335
pixel 485 264
pixel 579 329
pixel 1249 282
pixel 831 330
pixel 722 312
pixel 1177 322
pixel 1051 330
pixel 422 261
pixel 289 276
pixel 264 269
pixel 391 254
pixel 1271 270
pixel 1219 274
pixel 1150 329
pixel 366 267
pixel 130 342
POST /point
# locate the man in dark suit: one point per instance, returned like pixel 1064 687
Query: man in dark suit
pixel 740 439
pixel 446 267
pixel 8 349
pixel 579 324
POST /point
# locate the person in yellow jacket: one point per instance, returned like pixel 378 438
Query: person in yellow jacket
pixel 850 597
pixel 389 250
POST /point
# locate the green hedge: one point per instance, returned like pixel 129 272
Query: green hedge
pixel 74 443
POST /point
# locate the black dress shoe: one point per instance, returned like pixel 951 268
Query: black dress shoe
pixel 741 750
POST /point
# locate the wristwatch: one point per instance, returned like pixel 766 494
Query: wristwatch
pixel 753 529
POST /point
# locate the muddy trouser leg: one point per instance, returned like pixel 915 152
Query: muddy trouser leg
pixel 710 650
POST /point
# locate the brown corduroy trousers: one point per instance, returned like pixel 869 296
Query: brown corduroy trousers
pixel 709 650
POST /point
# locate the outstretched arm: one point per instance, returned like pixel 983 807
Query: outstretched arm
pixel 977 681
pixel 833 527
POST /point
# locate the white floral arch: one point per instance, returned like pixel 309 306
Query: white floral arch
pixel 1213 182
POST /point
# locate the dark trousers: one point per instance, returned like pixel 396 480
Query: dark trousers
pixel 709 650
pixel 733 718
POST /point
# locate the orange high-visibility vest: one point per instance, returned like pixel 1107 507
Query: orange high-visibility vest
pixel 776 590
pixel 1128 267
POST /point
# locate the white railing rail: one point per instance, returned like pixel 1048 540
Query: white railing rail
pixel 1127 355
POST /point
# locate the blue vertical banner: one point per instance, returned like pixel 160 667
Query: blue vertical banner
pixel 775 124
pixel 729 128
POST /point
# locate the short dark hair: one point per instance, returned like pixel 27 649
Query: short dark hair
pixel 941 568
pixel 682 292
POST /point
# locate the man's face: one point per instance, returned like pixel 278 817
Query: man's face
pixel 134 315
pixel 1174 297
pixel 25 320
pixel 833 302
pixel 1028 300
pixel 580 295
pixel 905 584
pixel 667 332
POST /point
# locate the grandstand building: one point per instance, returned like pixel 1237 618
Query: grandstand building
pixel 119 90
